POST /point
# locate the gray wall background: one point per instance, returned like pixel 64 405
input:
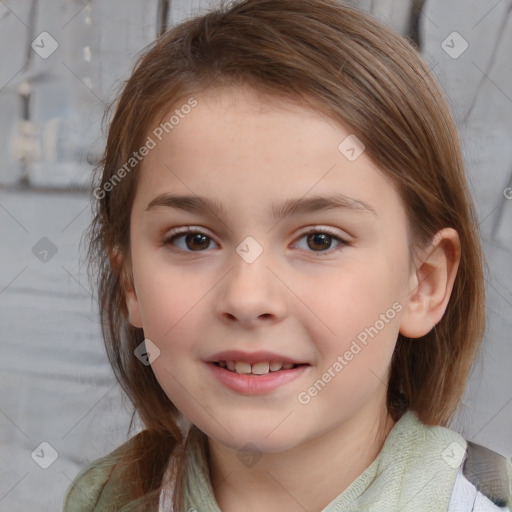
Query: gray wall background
pixel 61 63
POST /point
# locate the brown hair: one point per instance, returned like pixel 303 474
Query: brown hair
pixel 344 63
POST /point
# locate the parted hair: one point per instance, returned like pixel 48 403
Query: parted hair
pixel 338 60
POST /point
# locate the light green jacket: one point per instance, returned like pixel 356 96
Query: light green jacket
pixel 415 470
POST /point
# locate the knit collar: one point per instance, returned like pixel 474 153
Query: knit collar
pixel 415 470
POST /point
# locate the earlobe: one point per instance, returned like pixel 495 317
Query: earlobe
pixel 130 296
pixel 431 284
pixel 132 305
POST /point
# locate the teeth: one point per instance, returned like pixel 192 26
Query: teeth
pixel 241 367
pixel 261 368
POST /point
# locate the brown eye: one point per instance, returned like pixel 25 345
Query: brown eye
pixel 197 241
pixel 321 241
pixel 194 241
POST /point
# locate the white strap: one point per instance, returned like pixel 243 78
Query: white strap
pixel 466 498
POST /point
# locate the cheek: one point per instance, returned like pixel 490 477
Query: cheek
pixel 362 306
pixel 166 294
pixel 170 314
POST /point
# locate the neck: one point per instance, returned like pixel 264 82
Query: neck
pixel 306 477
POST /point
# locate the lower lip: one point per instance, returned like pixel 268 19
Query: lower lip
pixel 247 384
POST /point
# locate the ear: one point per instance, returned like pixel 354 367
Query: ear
pixel 123 265
pixel 431 284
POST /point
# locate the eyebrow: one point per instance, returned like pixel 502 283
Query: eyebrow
pixel 204 205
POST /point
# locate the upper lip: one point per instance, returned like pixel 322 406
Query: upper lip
pixel 251 357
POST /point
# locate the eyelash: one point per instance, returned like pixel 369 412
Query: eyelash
pixel 187 231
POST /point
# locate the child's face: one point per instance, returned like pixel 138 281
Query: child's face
pixel 305 297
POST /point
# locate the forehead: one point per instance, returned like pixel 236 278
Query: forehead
pixel 239 146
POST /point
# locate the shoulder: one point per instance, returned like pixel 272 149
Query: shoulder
pixel 93 486
pixel 482 478
pixel 483 483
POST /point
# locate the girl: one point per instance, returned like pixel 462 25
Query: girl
pixel 289 272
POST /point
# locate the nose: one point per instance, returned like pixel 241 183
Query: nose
pixel 251 294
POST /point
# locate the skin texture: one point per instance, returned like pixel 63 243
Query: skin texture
pixel 297 298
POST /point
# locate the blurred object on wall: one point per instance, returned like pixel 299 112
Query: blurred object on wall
pixel 67 62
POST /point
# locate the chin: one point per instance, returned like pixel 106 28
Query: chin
pixel 243 436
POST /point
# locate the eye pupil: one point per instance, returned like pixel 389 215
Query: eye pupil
pixel 197 238
pixel 320 238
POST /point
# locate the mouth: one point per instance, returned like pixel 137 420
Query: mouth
pixel 260 378
pixel 260 368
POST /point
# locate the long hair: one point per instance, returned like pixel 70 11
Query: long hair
pixel 338 60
